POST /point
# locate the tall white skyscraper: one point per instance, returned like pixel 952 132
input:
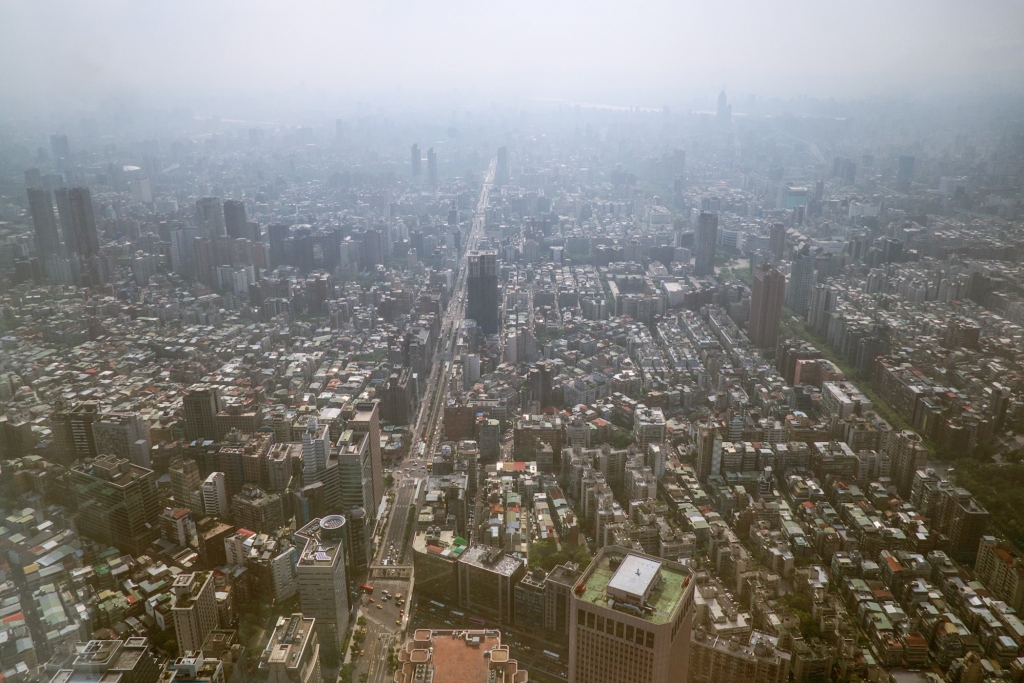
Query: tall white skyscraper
pixel 323 588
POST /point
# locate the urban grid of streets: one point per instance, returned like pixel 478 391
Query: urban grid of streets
pixel 385 624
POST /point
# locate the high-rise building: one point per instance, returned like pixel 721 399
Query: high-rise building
pixel 61 149
pixel 72 431
pixel 457 657
pixel 417 161
pixel 44 221
pixel 356 469
pixel 293 653
pixel 200 406
pixel 194 609
pixel 215 495
pixel 630 620
pixel 482 290
pixel 432 168
pixel 364 418
pixel 707 239
pixel 210 217
pixel 777 241
pixel 999 567
pixel 486 579
pixel 67 225
pixel 117 503
pixel 125 435
pixel 801 279
pixel 256 510
pixel 83 222
pixel 907 454
pixel 186 485
pixel 717 659
pixel 235 223
pixel 767 294
pixel 962 521
pixel 323 588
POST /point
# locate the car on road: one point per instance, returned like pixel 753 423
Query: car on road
pixel 380 606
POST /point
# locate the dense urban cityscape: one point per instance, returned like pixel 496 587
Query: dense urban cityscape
pixel 507 392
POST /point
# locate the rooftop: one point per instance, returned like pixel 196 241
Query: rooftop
pixel 663 598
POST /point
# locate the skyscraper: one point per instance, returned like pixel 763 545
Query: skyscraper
pixel 417 161
pixel 801 280
pixel 215 496
pixel 235 223
pixel 777 241
pixel 323 588
pixel 200 406
pixel 67 224
pixel 630 618
pixel 117 503
pixel 45 222
pixel 210 217
pixel 364 418
pixel 482 287
pixel 83 222
pixel 707 238
pixel 293 653
pixel 907 453
pixel 432 168
pixel 768 292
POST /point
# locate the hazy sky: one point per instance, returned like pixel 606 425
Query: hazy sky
pixel 81 51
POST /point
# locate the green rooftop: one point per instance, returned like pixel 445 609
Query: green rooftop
pixel 663 598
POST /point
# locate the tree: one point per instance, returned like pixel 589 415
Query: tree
pixel 620 438
pixel 389 480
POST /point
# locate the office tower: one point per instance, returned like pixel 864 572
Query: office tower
pixel 125 435
pixel 767 295
pixel 557 590
pixel 83 222
pixel 72 430
pixel 777 241
pixel 486 579
pixel 215 495
pixel 648 426
pixel 707 238
pixel 67 225
pixel 907 454
pixel 323 588
pixel 235 223
pixel 186 485
pixel 210 217
pixel 183 254
pixel 482 290
pixel 501 171
pixel 319 466
pixel 194 610
pixel 718 659
pixel 801 280
pixel 33 178
pixel 256 510
pixel 117 503
pixel 417 161
pixel 457 656
pixel 44 221
pixel 432 168
pixel 293 653
pixel 724 112
pixel 356 469
pixel 200 406
pixel 364 418
pixel 630 620
pixel 61 150
pixel 131 660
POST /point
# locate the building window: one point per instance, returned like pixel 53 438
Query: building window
pixel 610 629
pixel 629 632
pixel 650 640
pixel 590 620
pixel 618 629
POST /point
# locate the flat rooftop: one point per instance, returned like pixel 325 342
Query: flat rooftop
pixel 663 599
pixel 635 577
